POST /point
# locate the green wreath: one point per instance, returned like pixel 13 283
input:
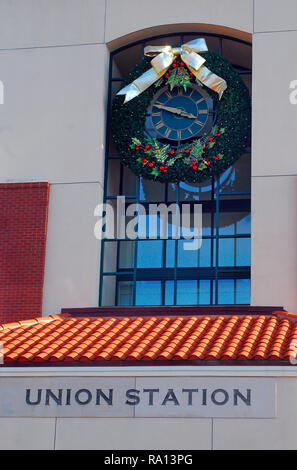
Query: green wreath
pixel 201 159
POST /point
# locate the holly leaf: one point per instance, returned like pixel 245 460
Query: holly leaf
pixel 197 148
pixel 135 141
pixel 159 82
pixel 155 172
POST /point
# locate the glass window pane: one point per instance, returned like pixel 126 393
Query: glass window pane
pixel 243 252
pixel 207 222
pixel 169 292
pixel 243 291
pixel 226 291
pixel 129 182
pixel 126 256
pixel 237 53
pixel 244 224
pixel 123 61
pixel 227 252
pixel 125 293
pixel 194 258
pixel 233 223
pixel 193 292
pixel 113 177
pixel 195 191
pixel 148 293
pixel 186 258
pixel 110 256
pixel 151 191
pixel 170 253
pixel 108 291
pixel 172 39
pixel 150 254
pixel 204 292
pixel 187 292
pixel 237 178
pixel 204 254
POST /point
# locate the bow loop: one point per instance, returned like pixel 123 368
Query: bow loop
pixel 192 59
pixel 162 61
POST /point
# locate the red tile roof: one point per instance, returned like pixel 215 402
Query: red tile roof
pixel 64 339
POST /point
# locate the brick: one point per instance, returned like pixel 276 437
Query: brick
pixel 23 227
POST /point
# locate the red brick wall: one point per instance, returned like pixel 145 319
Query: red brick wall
pixel 23 224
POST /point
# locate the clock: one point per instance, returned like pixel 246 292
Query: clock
pixel 180 115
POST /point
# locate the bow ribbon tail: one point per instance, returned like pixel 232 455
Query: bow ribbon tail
pixel 141 84
pixel 210 79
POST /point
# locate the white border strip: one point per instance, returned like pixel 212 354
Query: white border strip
pixel 147 371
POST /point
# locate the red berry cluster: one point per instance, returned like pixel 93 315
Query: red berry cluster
pixel 177 63
pixel 194 165
pixel 210 139
pixel 188 150
pixel 164 169
pixel 145 162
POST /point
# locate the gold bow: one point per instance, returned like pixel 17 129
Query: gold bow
pixel 165 56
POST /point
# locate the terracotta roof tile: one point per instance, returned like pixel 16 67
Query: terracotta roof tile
pixel 65 339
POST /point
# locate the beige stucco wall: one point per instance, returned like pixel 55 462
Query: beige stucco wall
pixel 53 63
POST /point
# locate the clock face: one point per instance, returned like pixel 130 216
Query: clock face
pixel 179 115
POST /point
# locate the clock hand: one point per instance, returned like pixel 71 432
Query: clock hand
pixel 168 108
pixel 175 111
pixel 189 115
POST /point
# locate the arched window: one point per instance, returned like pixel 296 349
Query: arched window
pixel 163 272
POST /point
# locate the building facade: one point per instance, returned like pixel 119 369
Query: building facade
pixel 61 64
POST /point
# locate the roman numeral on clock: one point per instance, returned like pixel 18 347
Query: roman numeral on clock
pixel 168 131
pixel 198 122
pixel 159 125
pixel 200 101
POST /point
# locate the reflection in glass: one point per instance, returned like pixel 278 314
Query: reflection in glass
pixel 234 223
pixel 193 292
pixel 194 258
pixel 242 291
pixel 148 292
pixel 243 252
pixel 169 292
pixel 227 252
pixel 237 178
pixel 151 191
pixel 170 253
pixel 129 182
pixel 150 254
pixel 226 291
pixel 126 256
pixel 109 290
pixel 234 291
pixel 125 293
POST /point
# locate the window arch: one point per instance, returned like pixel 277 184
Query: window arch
pixel 162 272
